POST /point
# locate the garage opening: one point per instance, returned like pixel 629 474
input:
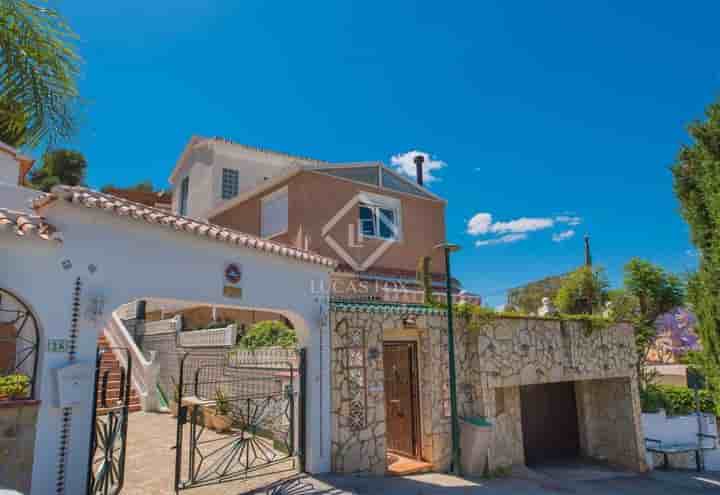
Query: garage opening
pixel 549 422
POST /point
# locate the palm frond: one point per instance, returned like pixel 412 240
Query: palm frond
pixel 38 69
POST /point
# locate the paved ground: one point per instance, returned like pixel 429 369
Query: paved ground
pixel 150 462
pixel 150 471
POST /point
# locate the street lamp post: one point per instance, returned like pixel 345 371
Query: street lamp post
pixel 448 248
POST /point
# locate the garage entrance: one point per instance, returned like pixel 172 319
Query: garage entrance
pixel 549 422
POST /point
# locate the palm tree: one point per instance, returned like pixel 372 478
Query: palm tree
pixel 38 67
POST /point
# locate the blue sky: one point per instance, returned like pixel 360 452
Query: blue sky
pixel 538 109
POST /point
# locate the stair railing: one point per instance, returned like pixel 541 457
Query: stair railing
pixel 145 368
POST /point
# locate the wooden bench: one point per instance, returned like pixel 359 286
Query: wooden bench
pixel 657 446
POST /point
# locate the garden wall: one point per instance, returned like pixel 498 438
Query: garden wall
pixel 494 360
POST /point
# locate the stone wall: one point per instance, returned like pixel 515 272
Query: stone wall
pixel 513 352
pixel 359 403
pixel 18 422
pixel 526 351
pixel 357 382
pixel 493 362
pixel 610 422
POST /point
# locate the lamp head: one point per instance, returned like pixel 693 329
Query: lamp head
pixel 450 247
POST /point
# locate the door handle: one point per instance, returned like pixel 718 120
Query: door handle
pixel 394 401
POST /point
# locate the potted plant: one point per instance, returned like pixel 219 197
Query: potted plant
pixel 176 398
pixel 221 420
pixel 14 387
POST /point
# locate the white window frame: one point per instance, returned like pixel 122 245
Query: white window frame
pixel 274 196
pixel 376 202
pixel 234 187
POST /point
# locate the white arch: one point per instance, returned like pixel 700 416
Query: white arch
pixel 132 259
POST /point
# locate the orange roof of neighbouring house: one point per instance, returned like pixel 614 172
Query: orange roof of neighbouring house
pixel 149 198
pixel 156 216
pixel 25 224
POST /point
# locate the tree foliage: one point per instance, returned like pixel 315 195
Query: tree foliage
pixel 269 333
pixel 650 292
pixel 65 167
pixel 144 186
pixel 582 291
pixel 528 298
pixel 38 68
pixel 696 175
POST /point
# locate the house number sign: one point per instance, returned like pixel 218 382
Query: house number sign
pixel 58 345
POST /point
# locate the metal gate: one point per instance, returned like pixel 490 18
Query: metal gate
pixel 108 441
pixel 240 414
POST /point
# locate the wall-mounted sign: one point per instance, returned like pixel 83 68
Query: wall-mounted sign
pixel 232 280
pixel 58 345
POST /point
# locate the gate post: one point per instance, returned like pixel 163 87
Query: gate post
pixel 180 422
pixel 302 414
pixel 98 357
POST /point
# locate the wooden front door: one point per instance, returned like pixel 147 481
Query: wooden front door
pixel 401 397
pixel 549 422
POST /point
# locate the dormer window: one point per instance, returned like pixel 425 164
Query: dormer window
pixel 230 183
pixel 379 222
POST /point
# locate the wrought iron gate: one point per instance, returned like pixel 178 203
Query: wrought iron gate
pixel 108 440
pixel 240 415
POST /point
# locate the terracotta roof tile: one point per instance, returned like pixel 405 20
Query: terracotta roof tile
pixel 25 224
pixel 155 216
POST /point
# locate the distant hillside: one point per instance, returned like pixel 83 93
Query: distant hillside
pixel 528 298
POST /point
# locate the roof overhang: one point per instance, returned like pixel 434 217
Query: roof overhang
pixel 108 204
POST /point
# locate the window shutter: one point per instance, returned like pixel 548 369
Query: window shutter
pixel 274 214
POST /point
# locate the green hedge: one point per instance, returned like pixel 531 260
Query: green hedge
pixel 677 401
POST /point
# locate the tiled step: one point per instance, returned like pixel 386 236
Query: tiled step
pixel 404 466
pixel 131 408
pixel 109 364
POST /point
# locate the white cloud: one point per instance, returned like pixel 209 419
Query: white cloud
pixel 482 223
pixel 569 219
pixel 505 239
pixel 563 236
pixel 405 164
pixel 479 224
pixel 523 224
pixel 517 229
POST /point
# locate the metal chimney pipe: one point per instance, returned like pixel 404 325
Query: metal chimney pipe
pixel 419 160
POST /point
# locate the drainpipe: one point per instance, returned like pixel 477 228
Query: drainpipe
pixel 455 425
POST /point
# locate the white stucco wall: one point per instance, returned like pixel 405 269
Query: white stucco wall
pixel 200 190
pixel 9 169
pixel 136 260
pixel 253 167
pixel 17 198
pixel 205 164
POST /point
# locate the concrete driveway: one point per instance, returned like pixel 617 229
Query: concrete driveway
pixel 657 483
pixel 150 468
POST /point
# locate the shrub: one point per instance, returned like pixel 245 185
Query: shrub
pixel 15 386
pixel 269 333
pixel 582 289
pixel 677 401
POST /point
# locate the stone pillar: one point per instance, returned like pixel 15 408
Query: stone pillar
pixel 609 419
pixel 18 420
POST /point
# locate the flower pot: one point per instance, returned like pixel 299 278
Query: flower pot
pixel 221 422
pixel 208 415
